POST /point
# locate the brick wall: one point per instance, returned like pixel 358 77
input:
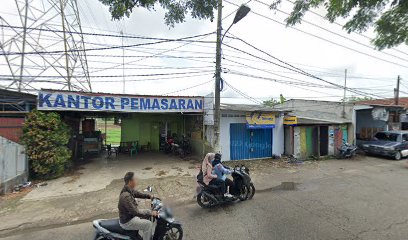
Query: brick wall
pixel 11 128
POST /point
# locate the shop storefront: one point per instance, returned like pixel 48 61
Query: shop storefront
pixel 146 121
pixel 249 132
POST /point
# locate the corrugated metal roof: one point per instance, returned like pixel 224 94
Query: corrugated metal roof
pixel 307 120
pixel 403 102
pixel 250 108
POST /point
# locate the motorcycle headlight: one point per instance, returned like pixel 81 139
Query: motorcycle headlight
pixel 366 145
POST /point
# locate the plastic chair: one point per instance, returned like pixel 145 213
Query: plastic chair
pixel 133 149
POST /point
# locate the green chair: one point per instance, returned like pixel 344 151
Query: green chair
pixel 133 149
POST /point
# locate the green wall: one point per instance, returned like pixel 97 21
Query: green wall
pixel 145 127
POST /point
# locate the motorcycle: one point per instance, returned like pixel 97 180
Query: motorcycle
pixel 347 150
pixel 168 145
pixel 166 227
pixel 251 187
pixel 184 148
pixel 210 195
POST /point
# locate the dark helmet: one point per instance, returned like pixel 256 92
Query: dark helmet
pixel 217 156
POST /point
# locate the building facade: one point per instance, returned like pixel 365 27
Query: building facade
pixel 319 129
pixel 243 136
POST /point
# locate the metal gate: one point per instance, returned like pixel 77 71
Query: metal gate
pixel 249 143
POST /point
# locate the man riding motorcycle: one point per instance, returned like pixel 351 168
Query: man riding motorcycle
pixel 132 218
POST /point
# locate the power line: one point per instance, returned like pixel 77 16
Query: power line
pixel 160 53
pixel 338 24
pixel 119 76
pixel 104 35
pixel 186 39
pixel 117 81
pixel 243 94
pixel 321 38
pixel 291 67
pixel 188 88
pixel 337 34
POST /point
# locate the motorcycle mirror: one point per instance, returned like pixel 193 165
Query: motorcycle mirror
pixel 148 189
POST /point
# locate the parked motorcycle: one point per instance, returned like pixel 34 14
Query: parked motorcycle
pixel 210 195
pixel 184 148
pixel 166 228
pixel 169 145
pixel 347 150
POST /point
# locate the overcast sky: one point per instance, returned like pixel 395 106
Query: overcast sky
pixel 313 49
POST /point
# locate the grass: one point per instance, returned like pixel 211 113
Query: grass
pixel 113 131
pixel 114 135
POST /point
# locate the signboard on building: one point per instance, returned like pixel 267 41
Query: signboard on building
pixel 260 120
pixel 290 121
pixel 79 101
pixel 209 109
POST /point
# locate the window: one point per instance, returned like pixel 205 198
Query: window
pixel 405 137
pixel 387 136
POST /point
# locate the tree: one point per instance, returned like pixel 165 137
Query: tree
pixel 389 17
pixel 357 99
pixel 46 137
pixel 272 102
pixel 176 10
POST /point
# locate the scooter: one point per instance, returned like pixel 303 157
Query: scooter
pixel 251 187
pixel 347 150
pixel 210 195
pixel 184 148
pixel 166 226
pixel 168 147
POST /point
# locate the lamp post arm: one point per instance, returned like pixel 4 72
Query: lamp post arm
pixel 222 39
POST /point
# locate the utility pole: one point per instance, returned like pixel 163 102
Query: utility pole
pixel 123 65
pixel 396 99
pixel 396 91
pixel 242 11
pixel 217 113
pixel 344 94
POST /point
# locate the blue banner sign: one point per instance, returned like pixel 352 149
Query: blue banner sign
pixel 260 120
pixel 264 126
pixel 78 101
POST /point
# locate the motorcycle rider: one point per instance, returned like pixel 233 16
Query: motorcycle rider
pixel 132 218
pixel 221 173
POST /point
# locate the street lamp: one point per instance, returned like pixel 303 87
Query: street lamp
pixel 241 13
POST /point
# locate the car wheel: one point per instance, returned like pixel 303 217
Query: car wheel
pixel 398 156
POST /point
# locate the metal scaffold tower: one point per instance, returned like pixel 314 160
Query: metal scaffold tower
pixel 43 47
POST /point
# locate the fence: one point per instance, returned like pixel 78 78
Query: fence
pixel 13 164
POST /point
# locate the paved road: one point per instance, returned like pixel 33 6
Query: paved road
pixel 359 200
pixel 265 217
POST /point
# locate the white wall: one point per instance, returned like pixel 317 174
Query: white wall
pixel 278 144
pixel 225 131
